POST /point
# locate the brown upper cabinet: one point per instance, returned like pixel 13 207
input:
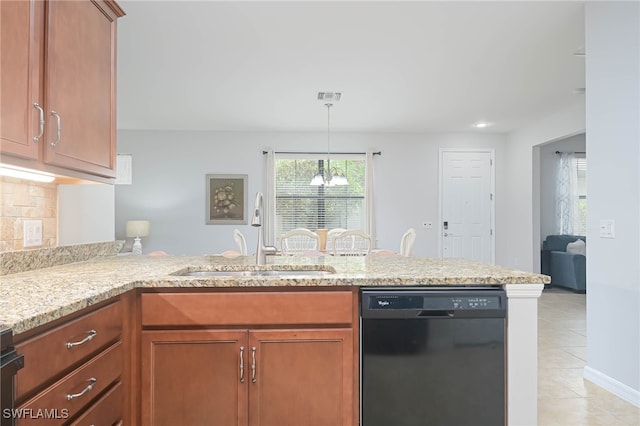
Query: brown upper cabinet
pixel 58 76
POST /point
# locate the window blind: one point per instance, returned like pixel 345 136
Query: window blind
pixel 300 205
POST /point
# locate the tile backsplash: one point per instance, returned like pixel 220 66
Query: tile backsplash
pixel 25 200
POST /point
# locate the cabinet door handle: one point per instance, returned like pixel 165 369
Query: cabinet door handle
pixel 91 335
pixel 253 364
pixel 39 108
pixel 59 128
pixel 92 381
pixel 241 364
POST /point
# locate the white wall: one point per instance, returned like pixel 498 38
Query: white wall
pixel 548 165
pixel 85 214
pixel 522 222
pixel 613 145
pixel 169 171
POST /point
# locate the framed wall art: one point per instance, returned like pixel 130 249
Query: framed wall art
pixel 226 200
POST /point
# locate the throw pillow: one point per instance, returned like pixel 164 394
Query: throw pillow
pixel 577 247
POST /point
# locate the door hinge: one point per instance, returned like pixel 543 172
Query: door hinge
pixel 491 162
pixel 491 197
pixel 490 231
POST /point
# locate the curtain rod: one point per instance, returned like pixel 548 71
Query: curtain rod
pixel 574 152
pixel 319 153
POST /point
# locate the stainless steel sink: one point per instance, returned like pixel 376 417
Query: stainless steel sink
pixel 256 273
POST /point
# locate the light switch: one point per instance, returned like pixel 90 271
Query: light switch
pixel 32 233
pixel 607 228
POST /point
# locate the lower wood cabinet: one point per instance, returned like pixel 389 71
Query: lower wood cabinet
pixel 261 358
pixel 77 369
pixel 106 411
pixel 247 377
pixel 192 377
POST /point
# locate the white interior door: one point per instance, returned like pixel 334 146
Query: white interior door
pixel 466 207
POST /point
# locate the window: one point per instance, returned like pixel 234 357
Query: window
pixel 580 223
pixel 571 194
pixel 300 205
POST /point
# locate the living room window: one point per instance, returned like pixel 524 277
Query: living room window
pixel 571 194
pixel 298 204
pixel 581 213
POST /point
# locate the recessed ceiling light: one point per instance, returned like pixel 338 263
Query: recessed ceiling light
pixel 481 125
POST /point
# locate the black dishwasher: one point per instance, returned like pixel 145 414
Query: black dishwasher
pixel 433 357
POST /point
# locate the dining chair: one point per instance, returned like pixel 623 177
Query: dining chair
pixel 406 243
pixel 299 241
pixel 331 235
pixel 352 243
pixel 240 241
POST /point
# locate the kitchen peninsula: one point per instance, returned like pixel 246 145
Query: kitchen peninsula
pixel 143 299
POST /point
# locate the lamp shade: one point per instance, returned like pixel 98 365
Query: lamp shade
pixel 137 228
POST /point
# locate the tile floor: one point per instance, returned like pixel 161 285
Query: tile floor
pixel 564 397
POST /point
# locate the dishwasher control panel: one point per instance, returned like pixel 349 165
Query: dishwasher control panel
pixel 433 302
pixel 480 302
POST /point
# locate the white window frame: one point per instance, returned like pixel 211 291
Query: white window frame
pixel 367 200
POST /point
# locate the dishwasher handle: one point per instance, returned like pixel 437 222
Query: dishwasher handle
pixel 436 314
pixel 421 314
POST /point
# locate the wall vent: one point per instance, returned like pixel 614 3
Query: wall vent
pixel 329 96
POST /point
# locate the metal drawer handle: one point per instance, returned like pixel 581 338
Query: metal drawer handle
pixel 91 335
pixel 253 364
pixel 59 131
pixel 92 381
pixel 39 108
pixel 241 364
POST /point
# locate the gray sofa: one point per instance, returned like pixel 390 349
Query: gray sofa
pixel 567 270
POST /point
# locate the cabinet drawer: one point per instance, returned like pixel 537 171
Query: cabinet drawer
pixel 100 372
pixel 282 308
pixel 47 354
pixel 106 411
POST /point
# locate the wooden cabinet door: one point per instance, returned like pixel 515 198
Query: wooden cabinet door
pixel 80 86
pixel 302 377
pixel 193 377
pixel 21 28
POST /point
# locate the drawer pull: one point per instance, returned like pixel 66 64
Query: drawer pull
pixel 91 335
pixel 253 364
pixel 92 381
pixel 241 364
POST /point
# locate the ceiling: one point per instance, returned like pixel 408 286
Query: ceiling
pixel 417 66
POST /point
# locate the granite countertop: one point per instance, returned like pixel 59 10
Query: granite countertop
pixel 30 299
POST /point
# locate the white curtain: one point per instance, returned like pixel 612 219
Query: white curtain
pixel 270 199
pixel 566 193
pixel 369 220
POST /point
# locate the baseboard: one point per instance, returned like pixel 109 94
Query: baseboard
pixel 617 388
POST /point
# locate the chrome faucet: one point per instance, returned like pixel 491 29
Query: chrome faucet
pixel 262 251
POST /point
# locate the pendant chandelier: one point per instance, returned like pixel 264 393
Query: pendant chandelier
pixel 333 177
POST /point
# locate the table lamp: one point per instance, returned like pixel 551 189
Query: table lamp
pixel 137 229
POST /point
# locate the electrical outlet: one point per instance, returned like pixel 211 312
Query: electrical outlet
pixel 32 233
pixel 427 225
